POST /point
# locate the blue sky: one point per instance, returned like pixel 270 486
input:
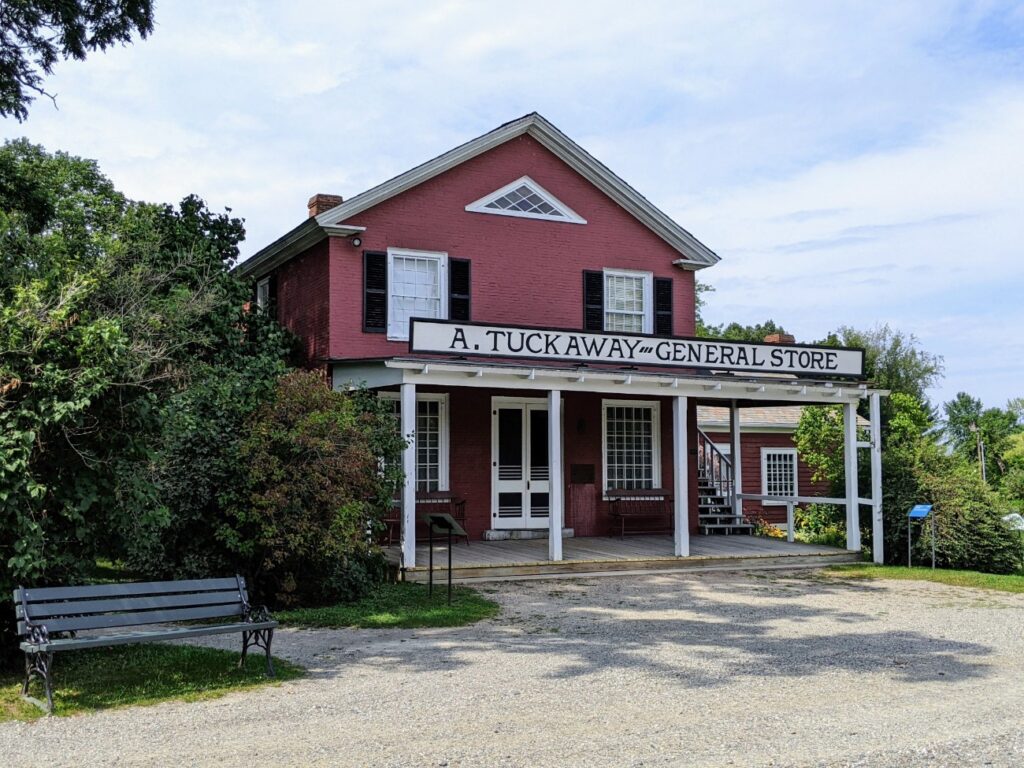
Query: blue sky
pixel 852 163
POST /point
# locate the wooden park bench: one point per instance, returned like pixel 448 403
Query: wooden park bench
pixel 647 510
pixel 54 619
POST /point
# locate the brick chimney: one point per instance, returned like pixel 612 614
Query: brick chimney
pixel 320 202
pixel 780 338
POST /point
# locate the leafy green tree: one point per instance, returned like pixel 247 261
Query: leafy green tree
pixel 968 422
pixel 915 469
pixel 35 34
pixel 893 360
pixel 107 309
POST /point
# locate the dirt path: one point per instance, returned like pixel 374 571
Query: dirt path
pixel 715 669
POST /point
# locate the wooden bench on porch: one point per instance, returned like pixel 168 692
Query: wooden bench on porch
pixel 647 510
pixel 446 502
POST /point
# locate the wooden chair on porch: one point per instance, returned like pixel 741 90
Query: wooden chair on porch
pixel 445 502
pixel 646 510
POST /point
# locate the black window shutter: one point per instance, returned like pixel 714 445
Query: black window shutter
pixel 375 292
pixel 459 289
pixel 663 306
pixel 593 300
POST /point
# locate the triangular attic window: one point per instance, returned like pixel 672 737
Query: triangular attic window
pixel 525 197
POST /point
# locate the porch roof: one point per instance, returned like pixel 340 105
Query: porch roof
pixel 761 390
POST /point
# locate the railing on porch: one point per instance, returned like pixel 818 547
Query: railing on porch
pixel 714 468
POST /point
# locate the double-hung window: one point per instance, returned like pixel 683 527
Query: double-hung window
pixel 263 294
pixel 631 437
pixel 778 473
pixel 627 301
pixel 431 439
pixel 418 287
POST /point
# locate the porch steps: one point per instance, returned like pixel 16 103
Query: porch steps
pixel 715 514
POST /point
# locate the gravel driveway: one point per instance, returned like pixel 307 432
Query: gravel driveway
pixel 715 669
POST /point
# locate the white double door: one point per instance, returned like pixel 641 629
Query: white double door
pixel 519 463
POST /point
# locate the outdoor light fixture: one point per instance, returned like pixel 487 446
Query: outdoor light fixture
pixel 356 242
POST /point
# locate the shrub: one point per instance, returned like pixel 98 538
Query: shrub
pixel 320 469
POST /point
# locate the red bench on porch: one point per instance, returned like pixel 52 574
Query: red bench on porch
pixel 649 508
pixel 445 502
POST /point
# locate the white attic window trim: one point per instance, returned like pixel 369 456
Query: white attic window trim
pixel 526 199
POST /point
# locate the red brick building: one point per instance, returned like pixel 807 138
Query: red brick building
pixel 532 316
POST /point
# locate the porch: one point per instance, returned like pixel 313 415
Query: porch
pixel 486 560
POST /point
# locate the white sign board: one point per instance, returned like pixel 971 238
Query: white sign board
pixel 453 338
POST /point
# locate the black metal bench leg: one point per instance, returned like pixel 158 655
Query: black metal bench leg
pixel 39 665
pixel 269 640
pixel 245 649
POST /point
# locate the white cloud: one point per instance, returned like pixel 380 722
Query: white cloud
pixel 849 166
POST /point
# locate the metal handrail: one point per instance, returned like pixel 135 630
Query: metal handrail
pixel 715 465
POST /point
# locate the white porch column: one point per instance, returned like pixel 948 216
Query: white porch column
pixel 556 512
pixel 736 457
pixel 877 529
pixel 408 418
pixel 681 472
pixel 850 465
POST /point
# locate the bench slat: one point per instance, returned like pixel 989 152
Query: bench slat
pixel 129 604
pixel 96 641
pixel 45 594
pixel 111 621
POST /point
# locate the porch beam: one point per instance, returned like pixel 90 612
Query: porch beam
pixel 556 511
pixel 877 527
pixel 850 473
pixel 681 474
pixel 407 397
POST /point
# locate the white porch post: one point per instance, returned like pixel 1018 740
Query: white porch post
pixel 877 529
pixel 850 465
pixel 681 473
pixel 408 418
pixel 556 514
pixel 736 457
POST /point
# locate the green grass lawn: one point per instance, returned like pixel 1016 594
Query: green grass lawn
pixel 1010 583
pixel 102 678
pixel 402 606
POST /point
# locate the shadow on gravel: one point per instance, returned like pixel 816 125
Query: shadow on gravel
pixel 670 628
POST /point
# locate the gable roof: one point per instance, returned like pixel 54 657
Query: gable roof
pixel 694 254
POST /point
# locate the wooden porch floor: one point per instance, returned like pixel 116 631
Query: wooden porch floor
pixel 504 559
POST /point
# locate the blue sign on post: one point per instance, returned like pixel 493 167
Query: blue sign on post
pixel 920 512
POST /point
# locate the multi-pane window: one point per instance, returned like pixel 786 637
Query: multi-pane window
pixel 431 440
pixel 631 445
pixel 263 293
pixel 417 281
pixel 524 200
pixel 778 473
pixel 627 301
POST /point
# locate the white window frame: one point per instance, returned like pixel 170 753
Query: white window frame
pixel 655 406
pixel 568 214
pixel 765 452
pixel 648 278
pixel 442 277
pixel 443 433
pixel 263 293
